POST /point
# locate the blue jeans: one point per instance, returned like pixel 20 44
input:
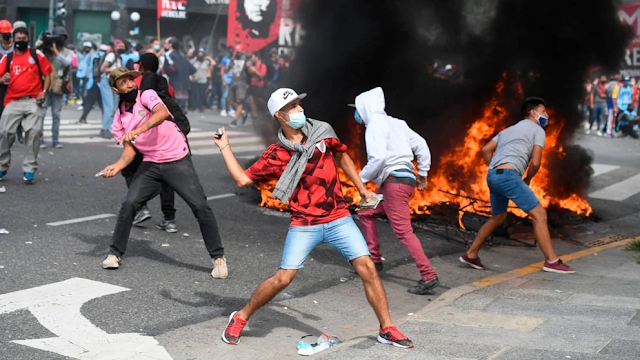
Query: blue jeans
pixel 342 234
pixel 55 102
pixel 109 103
pixel 223 97
pixel 596 114
pixel 505 185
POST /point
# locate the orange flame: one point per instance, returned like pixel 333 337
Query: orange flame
pixel 460 175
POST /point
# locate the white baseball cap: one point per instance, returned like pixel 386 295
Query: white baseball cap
pixel 281 97
pixel 86 44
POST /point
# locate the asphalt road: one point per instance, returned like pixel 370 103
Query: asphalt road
pixel 163 289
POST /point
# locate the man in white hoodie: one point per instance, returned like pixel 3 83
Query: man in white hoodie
pixel 391 147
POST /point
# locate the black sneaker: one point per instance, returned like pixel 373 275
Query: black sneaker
pixel 379 266
pixel 424 287
pixel 106 134
pixel 168 226
pixel 233 124
pixel 141 216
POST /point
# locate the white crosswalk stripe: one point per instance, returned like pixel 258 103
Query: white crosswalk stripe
pixel 201 141
pixel 612 186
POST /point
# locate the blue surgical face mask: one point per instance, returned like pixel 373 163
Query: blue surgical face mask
pixel 542 120
pixel 157 47
pixel 356 116
pixel 297 120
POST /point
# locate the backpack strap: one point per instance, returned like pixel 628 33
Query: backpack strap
pixel 9 58
pixel 34 55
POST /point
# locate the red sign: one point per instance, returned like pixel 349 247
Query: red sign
pixel 253 24
pixel 174 9
pixel 630 14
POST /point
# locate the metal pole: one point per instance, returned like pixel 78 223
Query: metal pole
pixel 210 42
pixel 52 6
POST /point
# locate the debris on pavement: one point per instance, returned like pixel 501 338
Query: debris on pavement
pixel 2 189
pixel 4 231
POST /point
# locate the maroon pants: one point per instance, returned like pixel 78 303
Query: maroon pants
pixel 396 206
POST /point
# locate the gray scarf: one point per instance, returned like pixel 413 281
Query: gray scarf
pixel 315 131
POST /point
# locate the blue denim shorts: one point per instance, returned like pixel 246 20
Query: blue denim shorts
pixel 342 234
pixel 505 185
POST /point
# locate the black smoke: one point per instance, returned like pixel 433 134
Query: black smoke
pixel 352 46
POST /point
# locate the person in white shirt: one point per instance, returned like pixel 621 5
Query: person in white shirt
pixel 391 148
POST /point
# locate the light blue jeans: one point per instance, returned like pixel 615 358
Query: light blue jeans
pixel 223 97
pixel 342 234
pixel 109 103
pixel 54 101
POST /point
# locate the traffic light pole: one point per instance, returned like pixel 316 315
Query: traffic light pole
pixel 52 6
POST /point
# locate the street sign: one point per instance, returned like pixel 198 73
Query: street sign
pixel 57 307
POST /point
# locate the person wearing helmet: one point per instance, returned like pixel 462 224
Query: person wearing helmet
pixel 6 32
pixel 53 47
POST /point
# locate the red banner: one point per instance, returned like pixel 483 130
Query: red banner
pixel 174 9
pixel 253 24
pixel 630 14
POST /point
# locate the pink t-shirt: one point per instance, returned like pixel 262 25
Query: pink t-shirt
pixel 163 143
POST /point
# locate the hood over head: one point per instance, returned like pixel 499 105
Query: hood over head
pixel 370 103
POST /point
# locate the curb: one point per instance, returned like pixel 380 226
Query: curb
pixel 454 294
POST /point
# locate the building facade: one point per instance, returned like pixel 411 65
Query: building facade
pixel 90 20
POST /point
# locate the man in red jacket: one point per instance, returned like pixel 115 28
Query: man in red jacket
pixel 23 102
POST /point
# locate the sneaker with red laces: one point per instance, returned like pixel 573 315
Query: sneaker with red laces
pixel 474 263
pixel 558 267
pixel 233 331
pixel 391 335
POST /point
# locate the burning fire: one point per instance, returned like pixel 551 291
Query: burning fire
pixel 459 177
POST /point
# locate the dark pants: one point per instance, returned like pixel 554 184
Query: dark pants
pixel 167 195
pixel 598 111
pixel 93 95
pixel 182 177
pixel 197 99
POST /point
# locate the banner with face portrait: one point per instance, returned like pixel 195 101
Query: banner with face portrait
pixel 630 14
pixel 254 25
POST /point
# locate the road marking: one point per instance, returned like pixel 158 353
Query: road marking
pixel 516 273
pixel 214 197
pixel 57 307
pixel 79 220
pixel 619 191
pixel 236 149
pixel 599 169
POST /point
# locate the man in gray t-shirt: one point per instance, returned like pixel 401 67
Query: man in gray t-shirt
pixel 508 156
pixel 515 145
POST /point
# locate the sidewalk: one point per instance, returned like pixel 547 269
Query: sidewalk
pixel 594 314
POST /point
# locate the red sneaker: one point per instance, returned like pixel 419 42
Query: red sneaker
pixel 232 332
pixel 474 263
pixel 558 267
pixel 391 335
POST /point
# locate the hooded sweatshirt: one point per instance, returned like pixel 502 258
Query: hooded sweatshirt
pixel 391 144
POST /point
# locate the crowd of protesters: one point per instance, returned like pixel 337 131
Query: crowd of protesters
pixel 611 106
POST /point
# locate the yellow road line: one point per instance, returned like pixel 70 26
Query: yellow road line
pixel 516 273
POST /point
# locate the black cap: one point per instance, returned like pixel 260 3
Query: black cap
pixel 149 62
pixel 23 30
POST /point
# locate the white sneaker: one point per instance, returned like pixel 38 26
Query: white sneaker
pixel 599 133
pixel 111 262
pixel 223 113
pixel 588 132
pixel 220 270
pixel 80 108
pixel 232 113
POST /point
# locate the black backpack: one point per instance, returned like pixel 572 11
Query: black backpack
pixel 34 55
pixel 97 63
pixel 159 84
